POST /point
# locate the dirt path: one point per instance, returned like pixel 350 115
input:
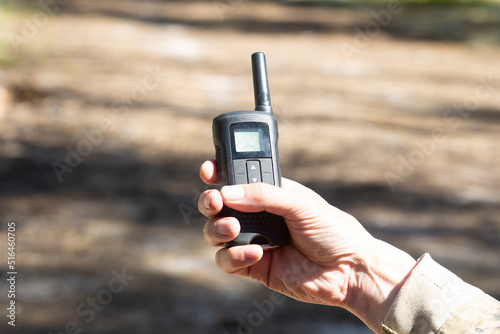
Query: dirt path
pixel 400 129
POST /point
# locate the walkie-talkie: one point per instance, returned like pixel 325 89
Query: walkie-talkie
pixel 246 150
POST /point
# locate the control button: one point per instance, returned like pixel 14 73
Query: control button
pixel 253 171
pixel 240 171
pixel 267 171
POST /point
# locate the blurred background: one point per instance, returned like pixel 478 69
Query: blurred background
pixel 388 109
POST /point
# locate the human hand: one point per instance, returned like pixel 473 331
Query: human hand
pixel 331 259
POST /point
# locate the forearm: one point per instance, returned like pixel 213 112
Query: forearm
pixel 376 281
pixel 392 293
pixel 434 300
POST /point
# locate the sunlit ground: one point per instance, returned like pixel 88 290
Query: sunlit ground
pixel 392 114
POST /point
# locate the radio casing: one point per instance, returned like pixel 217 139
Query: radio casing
pixel 246 166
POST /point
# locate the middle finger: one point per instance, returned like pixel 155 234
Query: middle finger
pixel 210 203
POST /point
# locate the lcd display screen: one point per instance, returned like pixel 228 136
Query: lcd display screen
pixel 247 141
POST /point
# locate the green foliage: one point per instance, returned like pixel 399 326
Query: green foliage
pixel 475 3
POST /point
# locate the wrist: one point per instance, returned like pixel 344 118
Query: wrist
pixel 375 282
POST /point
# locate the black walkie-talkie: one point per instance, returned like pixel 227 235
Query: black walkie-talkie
pixel 246 150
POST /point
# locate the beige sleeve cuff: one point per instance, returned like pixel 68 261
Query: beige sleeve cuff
pixel 428 298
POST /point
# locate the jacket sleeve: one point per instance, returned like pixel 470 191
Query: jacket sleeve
pixel 434 300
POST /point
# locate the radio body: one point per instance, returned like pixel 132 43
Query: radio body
pixel 246 151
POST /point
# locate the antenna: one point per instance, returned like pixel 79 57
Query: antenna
pixel 260 84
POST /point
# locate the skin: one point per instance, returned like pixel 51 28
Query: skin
pixel 331 259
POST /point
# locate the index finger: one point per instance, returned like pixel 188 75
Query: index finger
pixel 208 172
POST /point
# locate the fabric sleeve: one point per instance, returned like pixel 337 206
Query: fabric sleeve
pixel 434 300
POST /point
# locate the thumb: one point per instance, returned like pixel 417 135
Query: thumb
pixel 263 197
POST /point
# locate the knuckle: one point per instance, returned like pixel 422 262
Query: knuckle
pixel 208 233
pixel 206 230
pixel 259 191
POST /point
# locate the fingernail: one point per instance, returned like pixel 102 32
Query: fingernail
pixel 252 253
pixel 224 229
pixel 206 202
pixel 233 192
pixel 206 164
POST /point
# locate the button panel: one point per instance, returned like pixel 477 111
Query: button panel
pixel 240 171
pixel 267 171
pixel 253 171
